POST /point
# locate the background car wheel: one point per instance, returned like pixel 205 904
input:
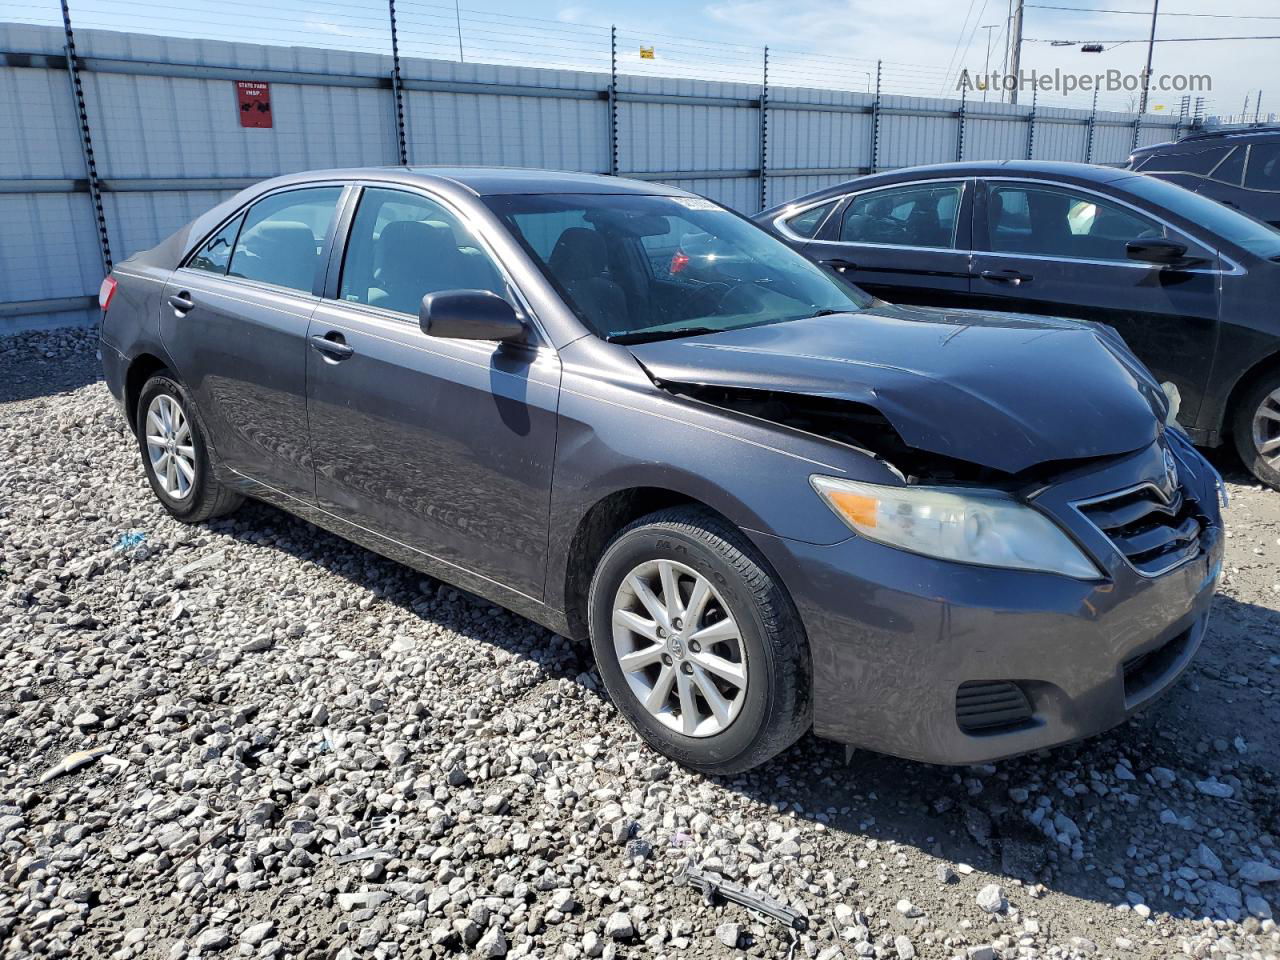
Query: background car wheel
pixel 699 646
pixel 175 455
pixel 1257 430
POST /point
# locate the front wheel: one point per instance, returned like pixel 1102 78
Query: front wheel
pixel 175 455
pixel 1257 430
pixel 699 646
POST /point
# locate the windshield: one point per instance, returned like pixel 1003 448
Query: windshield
pixel 636 267
pixel 1260 239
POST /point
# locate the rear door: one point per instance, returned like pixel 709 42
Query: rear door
pixel 442 446
pixel 234 320
pixel 905 243
pixel 1059 250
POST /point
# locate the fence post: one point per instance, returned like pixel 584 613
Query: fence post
pixel 613 101
pixel 875 123
pixel 397 93
pixel 1093 119
pixel 764 133
pixel 86 140
pixel 960 131
pixel 1031 126
pixel 1137 129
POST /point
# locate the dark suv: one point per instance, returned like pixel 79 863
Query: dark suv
pixel 1240 168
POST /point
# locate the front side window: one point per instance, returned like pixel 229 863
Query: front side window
pixel 1055 222
pixel 648 267
pixel 917 216
pixel 282 237
pixel 806 223
pixel 215 253
pixel 404 246
pixel 1264 167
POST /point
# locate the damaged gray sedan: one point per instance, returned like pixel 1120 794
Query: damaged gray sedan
pixel 770 502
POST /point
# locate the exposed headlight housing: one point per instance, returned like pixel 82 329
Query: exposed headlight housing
pixel 984 527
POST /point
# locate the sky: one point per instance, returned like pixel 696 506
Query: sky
pixel 923 44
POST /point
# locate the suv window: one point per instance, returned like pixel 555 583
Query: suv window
pixel 282 236
pixel 915 216
pixel 1049 221
pixel 215 253
pixel 806 222
pixel 404 246
pixel 1199 162
pixel 1230 169
pixel 1264 167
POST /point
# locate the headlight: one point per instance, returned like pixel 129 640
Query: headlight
pixel 967 526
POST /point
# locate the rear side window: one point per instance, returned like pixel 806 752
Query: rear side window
pixel 1199 162
pixel 215 253
pixel 806 222
pixel 282 236
pixel 918 216
pixel 1264 167
pixel 1231 168
pixel 404 246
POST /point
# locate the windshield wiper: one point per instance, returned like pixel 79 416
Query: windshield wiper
pixel 648 336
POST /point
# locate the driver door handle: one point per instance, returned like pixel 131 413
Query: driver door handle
pixel 332 345
pixel 840 264
pixel 182 302
pixel 1012 277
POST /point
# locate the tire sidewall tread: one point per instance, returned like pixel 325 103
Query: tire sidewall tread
pixel 1242 431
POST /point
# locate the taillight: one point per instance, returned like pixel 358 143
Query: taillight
pixel 679 260
pixel 106 292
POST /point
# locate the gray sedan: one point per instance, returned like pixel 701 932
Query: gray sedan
pixel 770 501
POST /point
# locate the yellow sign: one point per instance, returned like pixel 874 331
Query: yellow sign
pixel 646 53
pixel 1158 106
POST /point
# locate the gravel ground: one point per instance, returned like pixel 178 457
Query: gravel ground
pixel 297 749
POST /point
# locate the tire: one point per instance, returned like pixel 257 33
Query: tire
pixel 1265 394
pixel 767 712
pixel 194 498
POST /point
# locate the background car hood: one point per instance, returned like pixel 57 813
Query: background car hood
pixel 1001 390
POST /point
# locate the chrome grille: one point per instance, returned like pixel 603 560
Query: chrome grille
pixel 1153 535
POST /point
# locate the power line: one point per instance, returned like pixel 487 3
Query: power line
pixel 1145 13
pixel 1116 43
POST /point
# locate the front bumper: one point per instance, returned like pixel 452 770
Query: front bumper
pixel 894 635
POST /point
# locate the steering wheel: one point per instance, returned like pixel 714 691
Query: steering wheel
pixel 711 296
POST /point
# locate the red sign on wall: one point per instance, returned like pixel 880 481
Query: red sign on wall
pixel 254 101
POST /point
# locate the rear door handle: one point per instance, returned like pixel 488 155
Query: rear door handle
pixel 841 265
pixel 1012 277
pixel 332 345
pixel 182 302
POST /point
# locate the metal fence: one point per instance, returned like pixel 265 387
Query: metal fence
pixel 120 137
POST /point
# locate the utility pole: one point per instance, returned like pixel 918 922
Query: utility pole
pixel 1257 107
pixel 986 70
pixel 1015 62
pixel 1151 44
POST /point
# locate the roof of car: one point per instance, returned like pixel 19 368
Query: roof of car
pixel 1198 138
pixel 488 181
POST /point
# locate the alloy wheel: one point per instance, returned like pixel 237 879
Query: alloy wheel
pixel 679 648
pixel 169 447
pixel 1266 428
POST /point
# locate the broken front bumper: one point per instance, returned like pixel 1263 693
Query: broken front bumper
pixel 948 663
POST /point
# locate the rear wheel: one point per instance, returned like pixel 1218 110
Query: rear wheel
pixel 699 646
pixel 1256 429
pixel 175 455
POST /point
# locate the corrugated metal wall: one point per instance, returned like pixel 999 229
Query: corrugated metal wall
pixel 163 119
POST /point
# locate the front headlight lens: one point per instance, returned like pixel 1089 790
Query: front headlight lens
pixel 981 527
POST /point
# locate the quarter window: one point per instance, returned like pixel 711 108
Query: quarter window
pixel 1046 221
pixel 919 216
pixel 404 246
pixel 1231 169
pixel 806 223
pixel 1186 161
pixel 215 253
pixel 282 237
pixel 1264 167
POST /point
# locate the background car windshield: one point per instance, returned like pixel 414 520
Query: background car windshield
pixel 635 264
pixel 1260 239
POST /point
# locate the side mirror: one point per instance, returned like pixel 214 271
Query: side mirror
pixel 469 315
pixel 1156 250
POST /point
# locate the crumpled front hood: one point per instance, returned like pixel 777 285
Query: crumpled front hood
pixel 1004 391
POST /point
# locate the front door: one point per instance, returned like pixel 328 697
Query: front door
pixel 905 243
pixel 234 320
pixel 1060 250
pixel 443 446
